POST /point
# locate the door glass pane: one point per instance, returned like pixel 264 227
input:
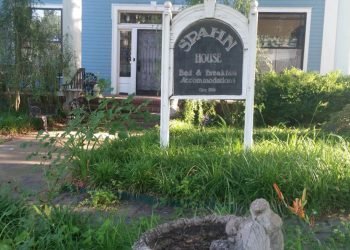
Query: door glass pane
pixel 149 49
pixel 125 53
pixel 281 39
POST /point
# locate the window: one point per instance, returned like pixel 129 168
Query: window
pixel 125 54
pixel 50 22
pixel 140 18
pixel 281 39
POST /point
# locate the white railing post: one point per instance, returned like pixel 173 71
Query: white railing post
pixel 165 103
pixel 249 105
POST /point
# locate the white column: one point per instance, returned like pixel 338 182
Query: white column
pixel 342 54
pixel 329 33
pixel 72 28
pixel 165 104
pixel 249 104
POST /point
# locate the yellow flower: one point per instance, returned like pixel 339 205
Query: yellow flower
pixel 298 208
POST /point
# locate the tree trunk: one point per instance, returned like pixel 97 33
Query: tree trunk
pixel 17 100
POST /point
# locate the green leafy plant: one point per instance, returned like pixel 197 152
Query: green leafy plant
pixel 295 97
pixel 339 122
pixel 25 226
pixel 91 127
pixel 30 60
pixel 17 123
pixel 102 198
pixel 198 112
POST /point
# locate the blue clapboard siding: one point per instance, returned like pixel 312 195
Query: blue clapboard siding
pixel 97 31
pixel 51 1
pixel 316 32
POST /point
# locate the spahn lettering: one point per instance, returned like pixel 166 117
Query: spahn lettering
pixel 192 37
pixel 208 60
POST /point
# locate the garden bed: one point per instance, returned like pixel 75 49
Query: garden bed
pixel 209 166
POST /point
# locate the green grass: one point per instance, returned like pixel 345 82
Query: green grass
pixel 17 123
pixel 209 166
pixel 25 226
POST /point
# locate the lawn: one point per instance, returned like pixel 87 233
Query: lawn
pixel 208 166
pixel 25 226
pixel 205 169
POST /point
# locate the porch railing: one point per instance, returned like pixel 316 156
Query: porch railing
pixel 77 82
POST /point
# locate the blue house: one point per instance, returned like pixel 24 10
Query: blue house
pixel 120 40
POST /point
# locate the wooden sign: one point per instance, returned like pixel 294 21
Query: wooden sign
pixel 209 53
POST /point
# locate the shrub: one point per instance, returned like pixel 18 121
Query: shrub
pixel 295 97
pixel 292 98
pixel 339 122
pixel 16 123
pixel 206 113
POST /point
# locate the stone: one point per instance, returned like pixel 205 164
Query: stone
pixel 261 230
pixel 221 245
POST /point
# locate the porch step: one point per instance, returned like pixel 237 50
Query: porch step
pixel 152 103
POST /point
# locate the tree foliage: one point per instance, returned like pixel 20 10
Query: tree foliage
pixel 242 6
pixel 31 55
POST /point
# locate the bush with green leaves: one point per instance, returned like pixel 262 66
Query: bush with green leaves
pixel 339 122
pixel 295 97
pixel 32 52
pixel 89 128
pixel 18 123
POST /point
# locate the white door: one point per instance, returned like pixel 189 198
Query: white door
pixel 148 67
pixel 127 61
pixel 139 61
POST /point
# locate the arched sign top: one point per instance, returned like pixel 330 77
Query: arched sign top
pixel 208 59
pixel 221 12
pixel 216 29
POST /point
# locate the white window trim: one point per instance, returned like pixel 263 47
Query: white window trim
pixel 47 6
pixel 116 27
pixel 308 11
pixel 329 36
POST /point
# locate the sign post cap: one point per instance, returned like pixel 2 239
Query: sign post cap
pixel 168 5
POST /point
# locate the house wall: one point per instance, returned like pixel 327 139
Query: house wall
pixel 52 1
pixel 316 33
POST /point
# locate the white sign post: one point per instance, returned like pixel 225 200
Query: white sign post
pixel 249 103
pixel 165 77
pixel 209 53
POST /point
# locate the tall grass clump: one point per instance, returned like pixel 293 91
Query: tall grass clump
pixel 24 226
pixel 210 166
